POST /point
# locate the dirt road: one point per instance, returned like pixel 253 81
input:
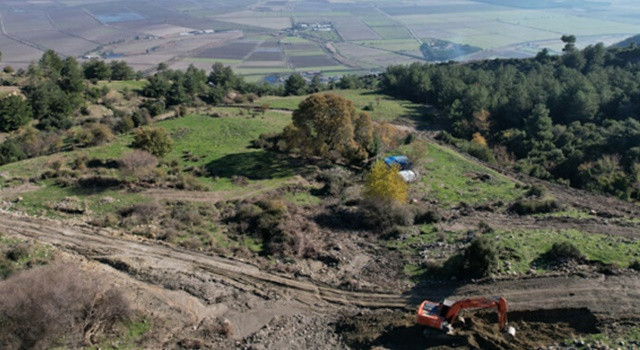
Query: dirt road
pixel 160 264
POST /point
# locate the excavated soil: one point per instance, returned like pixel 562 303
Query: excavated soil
pixel 396 330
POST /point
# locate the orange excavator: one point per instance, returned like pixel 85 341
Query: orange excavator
pixel 442 315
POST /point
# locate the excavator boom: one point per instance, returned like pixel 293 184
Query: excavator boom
pixel 480 303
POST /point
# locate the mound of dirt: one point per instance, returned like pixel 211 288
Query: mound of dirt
pixel 397 330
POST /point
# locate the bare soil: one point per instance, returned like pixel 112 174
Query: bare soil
pixel 280 310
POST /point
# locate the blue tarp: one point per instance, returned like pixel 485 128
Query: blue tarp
pixel 403 161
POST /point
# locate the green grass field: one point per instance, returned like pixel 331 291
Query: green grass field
pixel 449 177
pixel 385 108
pixel 221 144
pixel 122 85
pixel 526 246
pixel 522 249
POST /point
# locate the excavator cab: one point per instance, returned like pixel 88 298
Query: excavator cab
pixel 430 314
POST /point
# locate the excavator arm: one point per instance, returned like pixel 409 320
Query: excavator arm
pixel 479 303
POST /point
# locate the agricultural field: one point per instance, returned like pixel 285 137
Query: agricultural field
pixel 256 37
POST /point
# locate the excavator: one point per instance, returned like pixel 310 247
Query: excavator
pixel 441 316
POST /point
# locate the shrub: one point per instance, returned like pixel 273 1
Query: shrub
pixel 101 133
pixel 335 181
pixel 138 163
pixel 125 124
pixel 188 182
pixel 186 214
pixel 536 206
pixel 154 140
pixel 383 183
pixel 424 216
pixel 71 308
pixel 563 251
pixel 480 258
pixel 143 213
pixel 481 152
pixel 537 190
pixel 10 151
pixel 18 251
pixel 382 216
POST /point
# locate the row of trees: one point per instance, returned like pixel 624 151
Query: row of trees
pixel 574 117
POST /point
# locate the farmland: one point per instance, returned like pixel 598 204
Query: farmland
pixel 274 38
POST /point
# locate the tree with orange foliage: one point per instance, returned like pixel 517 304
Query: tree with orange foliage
pixel 478 139
pixel 481 121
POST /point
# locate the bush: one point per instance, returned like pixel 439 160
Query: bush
pixel 138 163
pixel 101 133
pixel 335 181
pixel 425 216
pixel 71 308
pixel 142 213
pixel 563 251
pixel 537 190
pixel 18 251
pixel 481 152
pixel 10 151
pixel 382 216
pixel 154 140
pixel 480 258
pixel 536 206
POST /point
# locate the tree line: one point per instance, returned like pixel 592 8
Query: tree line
pixel 573 117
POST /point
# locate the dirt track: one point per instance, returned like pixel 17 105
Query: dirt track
pixel 145 260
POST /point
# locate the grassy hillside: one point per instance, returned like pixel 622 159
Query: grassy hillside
pixel 380 107
pixel 218 144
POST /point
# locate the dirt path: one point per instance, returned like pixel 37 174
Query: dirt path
pixel 176 268
pixel 594 225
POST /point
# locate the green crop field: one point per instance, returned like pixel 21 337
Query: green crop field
pixel 393 45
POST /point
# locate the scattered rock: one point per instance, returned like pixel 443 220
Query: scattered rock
pixel 71 205
pixel 107 200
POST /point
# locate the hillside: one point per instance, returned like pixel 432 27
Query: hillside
pixel 197 209
pixel 177 228
pixel 634 40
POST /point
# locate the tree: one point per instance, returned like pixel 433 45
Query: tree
pixel 96 69
pixel 481 121
pixel 384 183
pixel 10 151
pixel 223 77
pixel 349 81
pixel 295 85
pixel 154 140
pixel 50 64
pixel 327 125
pixel 72 78
pixel 120 70
pixel 316 84
pixel 538 125
pixel 14 113
pixel 570 43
